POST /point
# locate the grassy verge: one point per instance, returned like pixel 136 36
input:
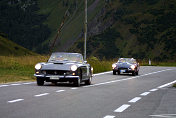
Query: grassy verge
pixel 174 85
pixel 154 63
pixel 21 68
pixel 18 68
pixel 100 66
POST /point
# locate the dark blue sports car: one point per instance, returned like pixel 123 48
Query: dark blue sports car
pixel 126 65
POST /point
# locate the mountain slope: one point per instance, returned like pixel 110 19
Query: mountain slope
pixel 9 48
pixel 23 25
pixel 116 28
pixel 74 24
pixel 141 29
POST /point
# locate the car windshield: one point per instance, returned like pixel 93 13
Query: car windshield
pixel 71 57
pixel 127 60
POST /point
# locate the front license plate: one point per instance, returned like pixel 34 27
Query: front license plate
pixel 122 71
pixel 54 78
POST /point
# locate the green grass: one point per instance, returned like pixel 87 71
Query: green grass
pixel 174 85
pixel 18 68
pixel 100 66
pixel 154 63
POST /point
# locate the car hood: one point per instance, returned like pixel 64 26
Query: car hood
pixel 57 66
pixel 124 65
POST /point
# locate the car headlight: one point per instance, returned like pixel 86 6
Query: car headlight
pixel 132 67
pixel 113 66
pixel 73 67
pixel 38 66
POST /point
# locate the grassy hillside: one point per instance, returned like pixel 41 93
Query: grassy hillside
pixel 74 24
pixel 8 47
pixel 116 28
pixel 141 29
pixel 21 22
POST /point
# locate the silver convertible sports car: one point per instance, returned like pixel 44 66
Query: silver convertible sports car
pixel 64 67
pixel 126 65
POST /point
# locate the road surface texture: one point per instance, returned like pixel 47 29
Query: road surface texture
pixel 148 95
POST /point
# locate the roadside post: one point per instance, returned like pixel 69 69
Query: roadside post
pixel 150 63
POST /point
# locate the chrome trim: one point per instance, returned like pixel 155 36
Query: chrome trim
pixel 56 76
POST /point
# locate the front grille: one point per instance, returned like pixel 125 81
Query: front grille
pixel 122 68
pixel 54 72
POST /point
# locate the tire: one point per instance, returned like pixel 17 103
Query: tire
pixel 54 83
pixel 118 72
pixel 89 81
pixel 40 82
pixel 137 72
pixel 134 73
pixel 78 82
pixel 114 72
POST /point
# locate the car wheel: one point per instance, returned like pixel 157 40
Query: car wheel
pixel 118 72
pixel 134 73
pixel 114 72
pixel 89 81
pixel 54 83
pixel 137 72
pixel 78 82
pixel 40 82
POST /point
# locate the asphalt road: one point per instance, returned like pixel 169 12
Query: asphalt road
pixel 148 95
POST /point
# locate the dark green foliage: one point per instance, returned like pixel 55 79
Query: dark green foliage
pixel 103 45
pixel 142 29
pixel 147 35
pixel 126 2
pixel 149 2
pixel 21 22
pixel 129 28
pixel 166 21
pixel 157 29
pixel 120 12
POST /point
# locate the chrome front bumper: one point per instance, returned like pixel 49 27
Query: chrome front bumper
pixel 60 76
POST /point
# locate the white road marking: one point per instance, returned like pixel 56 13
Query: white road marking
pixel 152 90
pixel 28 83
pixel 3 85
pixel 17 100
pixel 39 95
pixel 168 84
pixel 145 93
pixel 102 73
pixel 60 91
pixel 74 88
pixel 124 79
pixel 15 84
pixel 134 99
pixel 108 82
pixel 156 72
pixel 108 116
pixel 122 108
pixel 165 116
